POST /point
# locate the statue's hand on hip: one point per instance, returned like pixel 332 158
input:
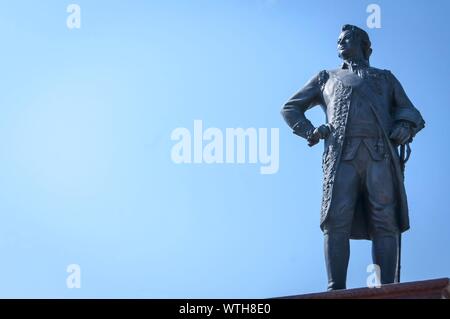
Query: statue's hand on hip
pixel 321 132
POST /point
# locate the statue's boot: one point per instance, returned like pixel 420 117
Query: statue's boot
pixel 337 254
pixel 385 255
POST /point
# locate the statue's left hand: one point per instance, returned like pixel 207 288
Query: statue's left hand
pixel 402 133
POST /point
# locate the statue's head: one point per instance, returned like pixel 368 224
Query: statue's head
pixel 354 42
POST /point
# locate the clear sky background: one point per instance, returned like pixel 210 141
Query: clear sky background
pixel 86 115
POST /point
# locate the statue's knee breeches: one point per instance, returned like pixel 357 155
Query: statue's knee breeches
pixel 366 187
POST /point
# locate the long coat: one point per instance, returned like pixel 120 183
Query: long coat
pixel 334 90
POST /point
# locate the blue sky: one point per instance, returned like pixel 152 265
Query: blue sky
pixel 86 116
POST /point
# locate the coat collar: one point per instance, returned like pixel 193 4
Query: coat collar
pixel 353 65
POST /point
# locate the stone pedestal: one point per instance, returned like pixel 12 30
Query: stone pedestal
pixel 428 289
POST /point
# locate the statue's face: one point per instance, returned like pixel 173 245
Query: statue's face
pixel 348 45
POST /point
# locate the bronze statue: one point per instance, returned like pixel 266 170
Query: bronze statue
pixel 368 116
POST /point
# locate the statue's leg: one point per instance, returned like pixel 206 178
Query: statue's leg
pixel 385 255
pixel 384 231
pixel 337 227
pixel 337 254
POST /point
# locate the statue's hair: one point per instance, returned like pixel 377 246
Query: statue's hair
pixel 362 36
